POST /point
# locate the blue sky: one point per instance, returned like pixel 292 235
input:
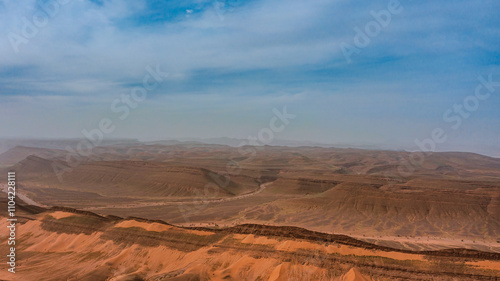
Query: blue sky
pixel 231 62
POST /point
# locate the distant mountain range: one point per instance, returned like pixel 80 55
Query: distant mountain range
pixel 6 144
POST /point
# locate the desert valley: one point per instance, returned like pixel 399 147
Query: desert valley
pixel 194 211
pixel 262 140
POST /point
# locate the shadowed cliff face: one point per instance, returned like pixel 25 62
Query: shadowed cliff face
pixel 66 244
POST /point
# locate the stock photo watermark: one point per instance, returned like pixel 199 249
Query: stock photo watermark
pixel 121 106
pixel 371 29
pixel 454 117
pixel 11 220
pixel 224 6
pixel 31 26
pixel 265 136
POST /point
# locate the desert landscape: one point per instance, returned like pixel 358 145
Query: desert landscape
pixel 197 211
pixel 257 140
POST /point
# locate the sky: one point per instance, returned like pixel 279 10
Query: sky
pixel 383 73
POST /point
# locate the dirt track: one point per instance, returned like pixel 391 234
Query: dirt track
pixel 21 196
pixel 191 201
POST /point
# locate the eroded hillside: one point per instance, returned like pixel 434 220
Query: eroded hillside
pixel 111 248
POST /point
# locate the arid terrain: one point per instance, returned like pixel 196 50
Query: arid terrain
pixel 80 245
pixel 262 140
pixel 193 211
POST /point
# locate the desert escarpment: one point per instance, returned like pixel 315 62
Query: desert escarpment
pixel 112 248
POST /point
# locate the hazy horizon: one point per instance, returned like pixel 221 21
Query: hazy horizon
pixel 231 64
pixel 235 142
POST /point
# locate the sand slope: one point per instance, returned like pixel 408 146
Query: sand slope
pixel 62 245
